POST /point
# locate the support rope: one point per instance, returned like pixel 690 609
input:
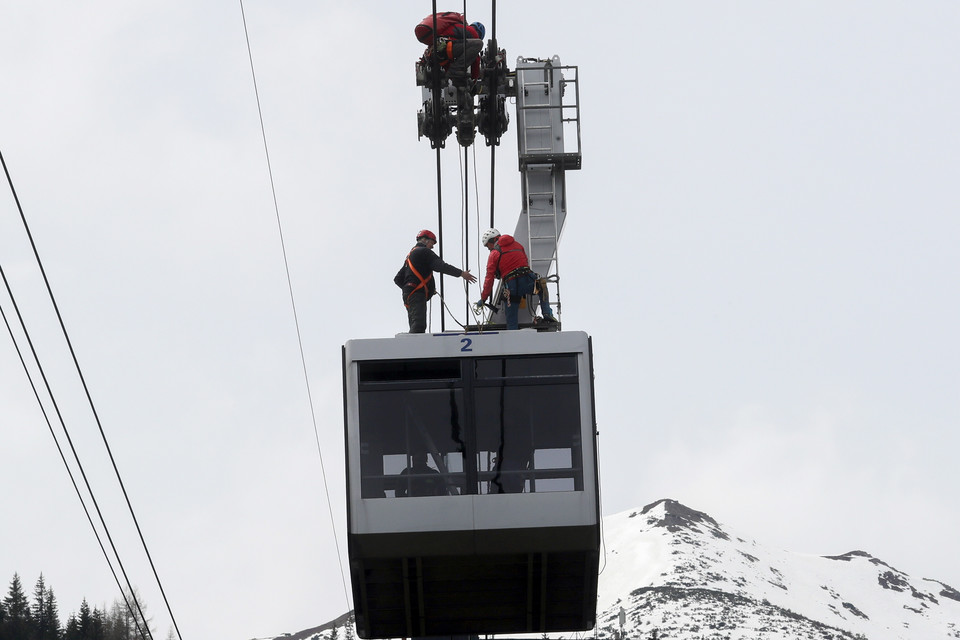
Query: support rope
pixel 293 305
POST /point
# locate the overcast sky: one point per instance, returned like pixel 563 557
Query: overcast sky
pixel 762 242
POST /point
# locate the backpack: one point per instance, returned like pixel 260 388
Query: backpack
pixel 447 21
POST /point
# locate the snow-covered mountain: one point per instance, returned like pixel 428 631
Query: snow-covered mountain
pixel 680 573
pixel 677 573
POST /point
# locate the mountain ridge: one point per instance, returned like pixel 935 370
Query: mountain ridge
pixel 846 596
pixel 676 572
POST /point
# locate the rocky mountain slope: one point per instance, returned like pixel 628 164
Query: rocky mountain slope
pixel 678 573
pixel 673 572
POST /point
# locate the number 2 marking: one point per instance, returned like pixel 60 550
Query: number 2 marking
pixel 466 342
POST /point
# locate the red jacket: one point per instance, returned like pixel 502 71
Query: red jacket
pixel 450 24
pixel 506 255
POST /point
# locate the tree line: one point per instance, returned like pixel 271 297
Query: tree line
pixel 38 618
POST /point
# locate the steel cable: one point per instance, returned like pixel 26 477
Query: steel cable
pixel 66 432
pixel 293 306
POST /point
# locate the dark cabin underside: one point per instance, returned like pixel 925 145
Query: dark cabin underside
pixel 435 589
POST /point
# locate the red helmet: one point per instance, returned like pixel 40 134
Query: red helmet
pixel 426 233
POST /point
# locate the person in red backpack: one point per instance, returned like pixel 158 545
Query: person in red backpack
pixel 508 262
pixel 456 44
pixel 416 279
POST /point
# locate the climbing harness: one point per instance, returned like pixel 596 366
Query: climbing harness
pixel 516 273
pixel 423 281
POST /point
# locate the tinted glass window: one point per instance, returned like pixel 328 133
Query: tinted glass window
pixel 564 365
pixel 396 370
pixel 528 439
pixel 413 429
pixel 509 425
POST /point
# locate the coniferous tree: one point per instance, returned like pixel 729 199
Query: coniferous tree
pixel 72 630
pixel 16 620
pixel 43 612
pixel 97 626
pixel 84 622
pixel 37 614
pixel 55 631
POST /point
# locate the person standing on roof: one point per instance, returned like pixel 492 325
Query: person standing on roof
pixel 508 262
pixel 457 44
pixel 416 279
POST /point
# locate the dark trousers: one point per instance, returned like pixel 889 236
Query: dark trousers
pixel 520 287
pixel 417 311
pixel 464 53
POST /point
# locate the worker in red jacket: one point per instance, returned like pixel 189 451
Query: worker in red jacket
pixel 508 262
pixel 457 44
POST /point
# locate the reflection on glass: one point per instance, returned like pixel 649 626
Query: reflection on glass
pixel 396 425
pixel 508 425
pixel 528 438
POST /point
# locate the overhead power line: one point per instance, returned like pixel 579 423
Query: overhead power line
pixel 90 403
pixel 63 456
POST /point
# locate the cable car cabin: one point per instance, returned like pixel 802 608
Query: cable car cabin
pixel 471 483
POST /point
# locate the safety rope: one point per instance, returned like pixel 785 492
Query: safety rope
pixel 470 311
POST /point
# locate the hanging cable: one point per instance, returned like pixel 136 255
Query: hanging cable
pixel 603 539
pixel 464 169
pixel 63 457
pixel 493 148
pixel 436 120
pixel 481 267
pixel 465 222
pixel 86 389
pixel 440 230
pixel 493 173
pixel 481 271
pixel 476 208
pixel 453 317
pixel 293 305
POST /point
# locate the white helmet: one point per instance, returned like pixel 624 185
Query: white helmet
pixel 489 235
